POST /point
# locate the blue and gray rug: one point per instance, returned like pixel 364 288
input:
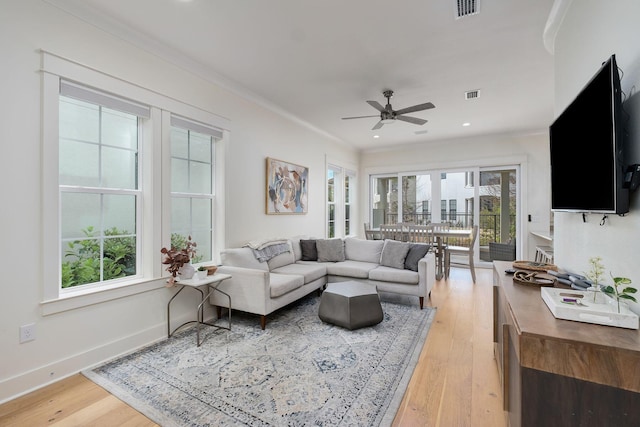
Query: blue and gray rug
pixel 299 371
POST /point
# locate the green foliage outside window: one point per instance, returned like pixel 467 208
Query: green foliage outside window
pixel 82 258
pixel 81 264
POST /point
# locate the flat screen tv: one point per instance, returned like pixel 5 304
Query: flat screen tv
pixel 587 149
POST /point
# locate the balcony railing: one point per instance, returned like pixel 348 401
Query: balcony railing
pixel 489 227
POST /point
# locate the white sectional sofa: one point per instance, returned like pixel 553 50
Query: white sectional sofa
pixel 263 287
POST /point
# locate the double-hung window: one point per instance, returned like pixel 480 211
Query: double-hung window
pixel 99 185
pixel 340 196
pixel 125 169
pixel 192 184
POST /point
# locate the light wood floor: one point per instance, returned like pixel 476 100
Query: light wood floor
pixel 454 384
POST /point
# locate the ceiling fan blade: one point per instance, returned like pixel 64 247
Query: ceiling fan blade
pixel 419 107
pixel 359 117
pixel 378 125
pixel 376 105
pixel 413 120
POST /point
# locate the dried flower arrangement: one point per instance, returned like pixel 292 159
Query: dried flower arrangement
pixel 176 258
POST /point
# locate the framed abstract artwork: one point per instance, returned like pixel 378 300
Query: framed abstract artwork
pixel 287 186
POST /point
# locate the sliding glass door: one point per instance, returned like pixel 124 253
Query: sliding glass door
pixel 486 197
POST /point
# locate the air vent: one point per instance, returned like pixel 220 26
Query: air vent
pixel 467 8
pixel 421 132
pixel 472 94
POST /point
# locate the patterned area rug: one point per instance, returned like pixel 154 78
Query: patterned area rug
pixel 299 371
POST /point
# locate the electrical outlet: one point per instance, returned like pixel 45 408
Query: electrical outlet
pixel 27 333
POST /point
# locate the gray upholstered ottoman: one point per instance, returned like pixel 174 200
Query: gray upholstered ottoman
pixel 351 305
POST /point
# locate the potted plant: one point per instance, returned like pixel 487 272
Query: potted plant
pixel 176 260
pixel 616 293
pixel 202 272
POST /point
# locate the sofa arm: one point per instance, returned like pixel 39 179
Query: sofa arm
pixel 427 272
pixel 248 288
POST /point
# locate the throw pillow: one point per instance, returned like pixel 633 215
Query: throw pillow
pixel 308 249
pixel 330 250
pixel 394 254
pixel 416 252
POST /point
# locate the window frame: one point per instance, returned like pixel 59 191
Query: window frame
pixel 154 159
pixel 340 203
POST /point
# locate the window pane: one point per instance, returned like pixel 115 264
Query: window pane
pixel 416 198
pixel 119 168
pixel 119 129
pixel 200 181
pixel 201 212
pixel 203 239
pixel 119 213
pixel 179 175
pixel 179 143
pixel 119 257
pixel 79 163
pixel 200 147
pixel 385 201
pixel 80 214
pixel 79 120
pixel 331 186
pixel 180 215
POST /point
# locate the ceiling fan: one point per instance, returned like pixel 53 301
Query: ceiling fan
pixel 389 115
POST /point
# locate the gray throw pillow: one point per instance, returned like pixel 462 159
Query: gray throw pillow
pixel 394 254
pixel 330 250
pixel 417 251
pixel 308 249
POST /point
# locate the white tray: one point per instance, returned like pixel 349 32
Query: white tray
pixel 588 311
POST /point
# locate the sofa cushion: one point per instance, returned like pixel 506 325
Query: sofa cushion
pixel 310 271
pixel 363 250
pixel 295 244
pixel 285 258
pixel 308 249
pixel 394 254
pixel 416 252
pixel 330 250
pixel 280 284
pixel 242 257
pixel 389 274
pixel 355 269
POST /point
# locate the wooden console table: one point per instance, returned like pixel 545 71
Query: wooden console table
pixel 558 372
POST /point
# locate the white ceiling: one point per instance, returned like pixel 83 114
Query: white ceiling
pixel 320 61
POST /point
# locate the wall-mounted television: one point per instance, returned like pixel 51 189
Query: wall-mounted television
pixel 587 148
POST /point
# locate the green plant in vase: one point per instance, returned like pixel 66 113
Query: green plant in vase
pixel 615 292
pixel 595 275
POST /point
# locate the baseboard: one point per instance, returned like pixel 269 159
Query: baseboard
pixel 29 381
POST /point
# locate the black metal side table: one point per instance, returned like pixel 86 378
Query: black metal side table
pixel 211 282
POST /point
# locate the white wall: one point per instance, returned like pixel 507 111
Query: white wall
pixel 591 31
pixel 532 151
pixel 72 340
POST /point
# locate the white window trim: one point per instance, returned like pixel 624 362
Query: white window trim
pixel 155 231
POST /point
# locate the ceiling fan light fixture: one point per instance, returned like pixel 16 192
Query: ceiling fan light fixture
pixel 387 121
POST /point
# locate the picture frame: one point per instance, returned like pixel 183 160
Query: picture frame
pixel 287 188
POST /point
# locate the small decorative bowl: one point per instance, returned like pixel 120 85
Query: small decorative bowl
pixel 211 269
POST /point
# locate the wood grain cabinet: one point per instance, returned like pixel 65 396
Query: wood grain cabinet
pixel 558 372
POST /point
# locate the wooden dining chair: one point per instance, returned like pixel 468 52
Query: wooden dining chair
pixel 439 244
pixel 418 233
pixel 390 231
pixel 464 250
pixel 371 234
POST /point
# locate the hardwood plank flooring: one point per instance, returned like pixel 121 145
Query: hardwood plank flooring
pixel 454 384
